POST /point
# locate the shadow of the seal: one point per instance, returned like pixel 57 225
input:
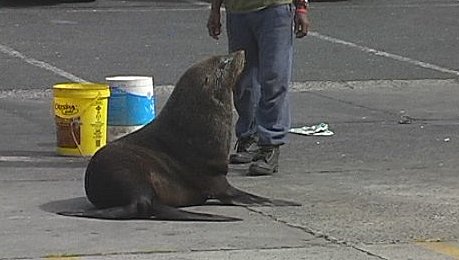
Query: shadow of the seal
pixel 67 205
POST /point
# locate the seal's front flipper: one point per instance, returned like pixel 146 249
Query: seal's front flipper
pixel 163 212
pixel 238 197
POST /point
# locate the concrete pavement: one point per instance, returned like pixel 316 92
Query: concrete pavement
pixel 377 189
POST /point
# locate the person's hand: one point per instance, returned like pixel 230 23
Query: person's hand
pixel 301 24
pixel 213 24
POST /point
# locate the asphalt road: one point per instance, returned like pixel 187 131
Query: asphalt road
pixel 351 40
pixel 377 189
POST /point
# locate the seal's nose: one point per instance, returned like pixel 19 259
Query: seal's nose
pixel 239 53
pixel 239 58
pixel 238 64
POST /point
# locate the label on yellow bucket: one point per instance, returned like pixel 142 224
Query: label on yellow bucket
pixel 68 132
pixel 80 111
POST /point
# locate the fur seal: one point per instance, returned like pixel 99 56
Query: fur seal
pixel 180 159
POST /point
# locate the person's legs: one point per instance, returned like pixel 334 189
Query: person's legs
pixel 275 41
pixel 247 92
pixel 261 97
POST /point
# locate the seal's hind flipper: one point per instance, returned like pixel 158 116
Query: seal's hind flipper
pixel 159 212
pixel 126 212
pixel 238 197
pixel 163 212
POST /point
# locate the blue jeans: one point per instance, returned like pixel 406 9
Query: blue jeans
pixel 261 98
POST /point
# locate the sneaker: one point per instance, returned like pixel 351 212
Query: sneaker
pixel 266 162
pixel 246 149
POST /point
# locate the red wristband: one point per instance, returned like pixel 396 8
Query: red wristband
pixel 301 10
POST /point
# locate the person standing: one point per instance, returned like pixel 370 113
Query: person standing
pixel 264 29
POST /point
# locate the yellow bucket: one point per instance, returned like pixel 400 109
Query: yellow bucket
pixel 80 113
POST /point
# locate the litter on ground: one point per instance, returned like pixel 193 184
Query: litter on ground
pixel 317 130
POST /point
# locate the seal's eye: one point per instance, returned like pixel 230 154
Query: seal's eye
pixel 224 62
pixel 207 80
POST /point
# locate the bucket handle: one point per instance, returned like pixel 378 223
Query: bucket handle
pixel 75 121
pixel 72 124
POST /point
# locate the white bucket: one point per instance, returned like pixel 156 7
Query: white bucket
pixel 131 104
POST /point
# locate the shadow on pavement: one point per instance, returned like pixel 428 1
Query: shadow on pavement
pixel 75 204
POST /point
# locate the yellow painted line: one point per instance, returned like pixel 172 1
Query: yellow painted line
pixel 442 248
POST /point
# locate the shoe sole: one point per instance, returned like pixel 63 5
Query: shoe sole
pixel 257 171
pixel 240 160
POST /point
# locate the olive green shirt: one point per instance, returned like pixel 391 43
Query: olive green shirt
pixel 251 5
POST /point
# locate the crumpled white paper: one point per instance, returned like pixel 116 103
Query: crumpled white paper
pixel 318 130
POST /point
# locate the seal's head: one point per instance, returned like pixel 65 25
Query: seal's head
pixel 223 70
pixel 212 80
pixel 230 68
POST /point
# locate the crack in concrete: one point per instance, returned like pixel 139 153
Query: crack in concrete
pixel 397 115
pixel 318 234
pixel 355 104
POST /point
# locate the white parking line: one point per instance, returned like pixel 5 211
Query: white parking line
pixel 40 159
pixel 385 54
pixel 40 64
pixel 429 4
pixel 46 66
pixel 165 90
pixel 194 2
pixel 136 10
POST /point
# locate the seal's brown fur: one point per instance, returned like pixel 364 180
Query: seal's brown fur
pixel 180 159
